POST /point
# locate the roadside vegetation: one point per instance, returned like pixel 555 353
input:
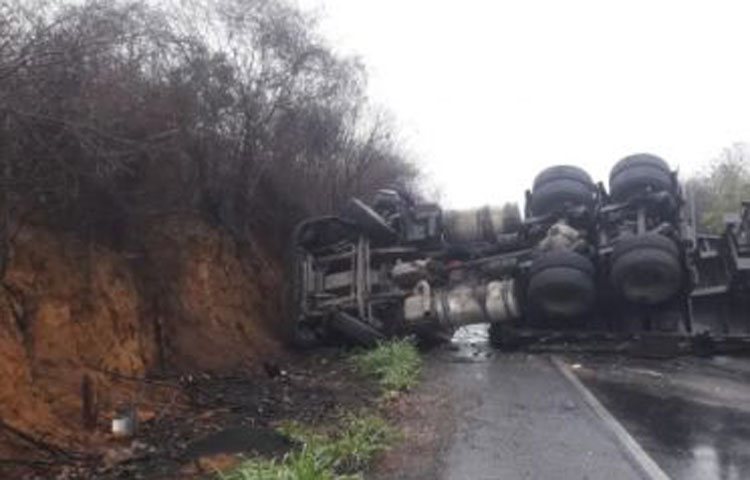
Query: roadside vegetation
pixel 115 113
pixel 342 451
pixel 395 364
pixel 117 116
pixel 720 187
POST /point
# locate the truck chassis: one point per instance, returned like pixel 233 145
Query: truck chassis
pixel 617 269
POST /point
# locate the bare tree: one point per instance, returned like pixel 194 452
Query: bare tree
pixel 113 113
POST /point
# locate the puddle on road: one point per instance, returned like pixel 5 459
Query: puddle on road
pixel 695 432
pixel 470 344
pixel 471 334
pixel 690 440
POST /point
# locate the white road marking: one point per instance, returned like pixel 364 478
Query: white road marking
pixel 636 452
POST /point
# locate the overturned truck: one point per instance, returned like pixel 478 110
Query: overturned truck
pixel 586 266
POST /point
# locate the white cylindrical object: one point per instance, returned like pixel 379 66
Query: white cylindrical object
pixel 123 426
pixel 461 307
pixel 501 303
pixel 418 307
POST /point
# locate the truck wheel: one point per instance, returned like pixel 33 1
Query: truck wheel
pixel 562 171
pixel 637 173
pixel 646 269
pixel 556 186
pixel 561 284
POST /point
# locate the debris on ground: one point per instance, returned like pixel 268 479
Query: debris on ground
pixel 212 419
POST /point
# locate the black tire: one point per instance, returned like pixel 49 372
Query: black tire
pixel 650 240
pixel 562 258
pixel 637 173
pixel 558 172
pixel 561 285
pixel 639 159
pixel 557 194
pixel 646 269
pixel 561 185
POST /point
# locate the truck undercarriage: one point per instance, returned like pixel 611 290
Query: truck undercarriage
pixel 586 267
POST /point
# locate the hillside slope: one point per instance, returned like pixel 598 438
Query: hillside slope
pixel 76 319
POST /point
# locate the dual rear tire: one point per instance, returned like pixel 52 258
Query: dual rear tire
pixel 637 174
pixel 561 285
pixel 645 270
pixel 560 186
pixel 565 185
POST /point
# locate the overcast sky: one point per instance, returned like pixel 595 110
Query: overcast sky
pixel 488 92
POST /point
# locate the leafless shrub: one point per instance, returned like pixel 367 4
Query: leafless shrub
pixel 113 113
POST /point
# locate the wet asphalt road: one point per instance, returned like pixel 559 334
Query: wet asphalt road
pixel 517 417
pixel 529 423
pixel 692 415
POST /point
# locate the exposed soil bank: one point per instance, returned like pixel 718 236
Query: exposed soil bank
pixel 77 321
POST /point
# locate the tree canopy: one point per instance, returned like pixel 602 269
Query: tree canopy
pixel 721 188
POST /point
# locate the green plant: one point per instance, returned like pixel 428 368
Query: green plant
pixel 340 455
pixel 358 442
pixel 395 363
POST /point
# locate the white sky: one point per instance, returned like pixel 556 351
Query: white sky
pixel 487 93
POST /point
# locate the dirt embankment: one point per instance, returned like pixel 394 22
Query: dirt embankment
pixel 76 319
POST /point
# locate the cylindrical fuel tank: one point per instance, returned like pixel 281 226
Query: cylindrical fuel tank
pixel 461 305
pixel 500 302
pixel 486 224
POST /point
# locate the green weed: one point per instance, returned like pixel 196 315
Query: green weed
pixel 395 363
pixel 341 455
